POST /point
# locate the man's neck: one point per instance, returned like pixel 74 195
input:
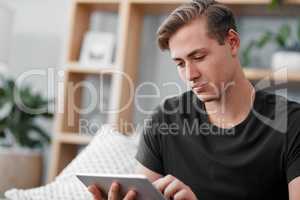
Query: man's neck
pixel 234 104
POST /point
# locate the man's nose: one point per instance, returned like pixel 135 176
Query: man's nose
pixel 192 73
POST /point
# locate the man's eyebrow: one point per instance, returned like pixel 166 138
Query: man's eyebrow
pixel 202 50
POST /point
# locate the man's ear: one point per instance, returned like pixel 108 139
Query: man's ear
pixel 233 40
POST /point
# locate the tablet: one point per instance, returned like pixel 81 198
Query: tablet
pixel 144 188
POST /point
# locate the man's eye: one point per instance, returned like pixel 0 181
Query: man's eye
pixel 199 57
pixel 180 64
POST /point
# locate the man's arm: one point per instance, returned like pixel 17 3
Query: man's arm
pixel 294 189
pixel 151 175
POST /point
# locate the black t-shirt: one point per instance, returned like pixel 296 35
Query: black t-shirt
pixel 254 160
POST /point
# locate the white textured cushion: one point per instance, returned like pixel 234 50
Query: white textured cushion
pixel 108 152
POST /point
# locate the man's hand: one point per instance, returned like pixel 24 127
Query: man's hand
pixel 113 194
pixel 170 186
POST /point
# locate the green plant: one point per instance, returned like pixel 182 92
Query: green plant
pixel 274 4
pixel 282 39
pixel 15 121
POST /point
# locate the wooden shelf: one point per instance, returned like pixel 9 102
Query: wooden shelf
pixel 129 29
pixel 80 21
pixel 256 73
pixel 98 1
pixel 292 1
pixel 259 74
pixel 170 2
pixel 76 68
pixel 74 138
pixel 162 6
pixel 239 7
pixel 228 2
pixel 99 5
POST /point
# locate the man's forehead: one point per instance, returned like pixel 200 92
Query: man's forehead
pixel 178 55
pixel 189 39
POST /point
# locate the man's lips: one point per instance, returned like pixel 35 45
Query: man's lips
pixel 199 86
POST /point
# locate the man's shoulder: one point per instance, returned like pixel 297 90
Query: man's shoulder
pixel 281 107
pixel 279 101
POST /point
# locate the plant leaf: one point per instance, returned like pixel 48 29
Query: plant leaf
pixel 283 35
pixel 6 110
pixel 274 4
pixel 19 123
pixel 264 39
pixel 246 53
pixel 298 31
pixel 42 133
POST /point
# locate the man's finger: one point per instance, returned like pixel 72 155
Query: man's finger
pixel 162 183
pixel 172 188
pixel 95 192
pixel 181 195
pixel 131 195
pixel 114 191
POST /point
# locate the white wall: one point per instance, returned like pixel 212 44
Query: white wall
pixel 38 36
pixel 6 19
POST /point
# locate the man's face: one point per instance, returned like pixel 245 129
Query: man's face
pixel 205 65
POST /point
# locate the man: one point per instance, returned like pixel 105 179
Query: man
pixel 218 143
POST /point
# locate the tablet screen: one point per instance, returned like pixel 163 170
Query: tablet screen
pixel 139 183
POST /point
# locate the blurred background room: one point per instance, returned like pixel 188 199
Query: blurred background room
pixel 67 67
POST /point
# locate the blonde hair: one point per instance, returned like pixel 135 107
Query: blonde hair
pixel 220 20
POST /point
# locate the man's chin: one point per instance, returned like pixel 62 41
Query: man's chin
pixel 206 97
